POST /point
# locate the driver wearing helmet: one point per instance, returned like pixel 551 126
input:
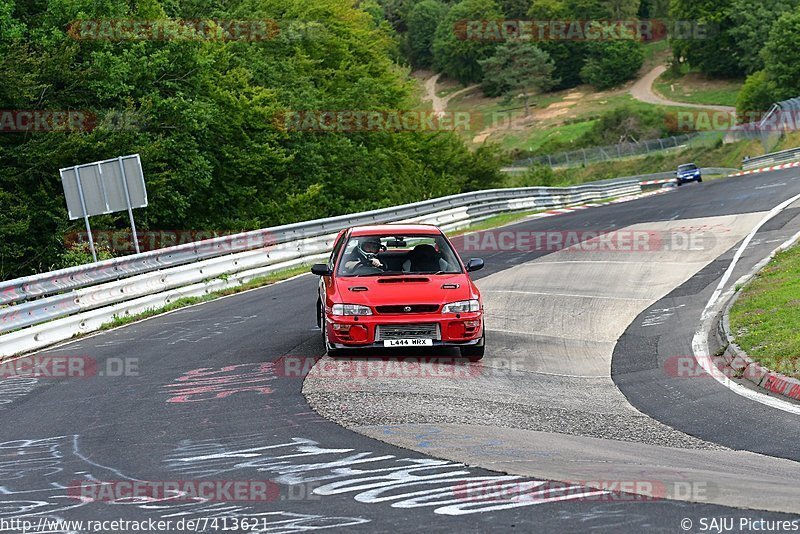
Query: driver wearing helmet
pixel 365 254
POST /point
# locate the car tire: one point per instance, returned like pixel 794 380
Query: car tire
pixel 699 179
pixel 324 329
pixel 474 352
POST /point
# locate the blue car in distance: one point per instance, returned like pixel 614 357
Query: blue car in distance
pixel 688 172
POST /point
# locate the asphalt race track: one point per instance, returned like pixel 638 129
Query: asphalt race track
pixel 575 393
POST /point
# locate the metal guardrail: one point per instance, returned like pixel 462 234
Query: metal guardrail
pixel 26 288
pixel 784 156
pixel 46 309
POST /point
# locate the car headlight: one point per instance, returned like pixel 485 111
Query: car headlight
pixel 351 309
pixel 462 306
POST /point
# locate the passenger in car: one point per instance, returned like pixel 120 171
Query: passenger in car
pixel 425 259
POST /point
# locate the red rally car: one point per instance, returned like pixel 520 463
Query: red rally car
pixel 398 285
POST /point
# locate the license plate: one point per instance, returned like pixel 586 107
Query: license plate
pixel 408 343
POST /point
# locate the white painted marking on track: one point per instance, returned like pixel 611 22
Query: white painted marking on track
pixel 559 262
pixel 772 185
pixel 700 343
pixel 559 294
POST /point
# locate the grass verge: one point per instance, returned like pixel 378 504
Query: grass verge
pixel 694 88
pixel 711 155
pixel 765 320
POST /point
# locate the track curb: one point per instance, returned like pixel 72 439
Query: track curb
pixel 768 169
pixel 735 361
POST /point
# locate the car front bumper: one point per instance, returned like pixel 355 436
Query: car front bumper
pixel 455 330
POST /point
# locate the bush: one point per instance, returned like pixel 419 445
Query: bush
pixel 80 254
pixel 539 175
pixel 625 124
pixel 757 94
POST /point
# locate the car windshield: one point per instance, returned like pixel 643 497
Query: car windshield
pixel 398 254
pixel 687 167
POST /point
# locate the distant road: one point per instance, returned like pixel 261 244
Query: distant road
pixel 643 90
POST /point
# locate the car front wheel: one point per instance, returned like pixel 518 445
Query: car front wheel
pixel 324 329
pixel 474 352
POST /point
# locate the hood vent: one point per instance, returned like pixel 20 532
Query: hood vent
pixel 359 288
pixel 404 280
pixel 450 286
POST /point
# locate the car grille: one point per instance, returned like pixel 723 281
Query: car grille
pixel 408 308
pixel 407 331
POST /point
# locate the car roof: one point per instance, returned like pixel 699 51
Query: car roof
pixel 395 229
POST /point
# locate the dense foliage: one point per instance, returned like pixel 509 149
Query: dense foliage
pixel 519 68
pixel 611 63
pixel 458 57
pixel 206 117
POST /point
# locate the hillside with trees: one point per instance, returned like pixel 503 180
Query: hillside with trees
pixel 205 115
pixel 208 115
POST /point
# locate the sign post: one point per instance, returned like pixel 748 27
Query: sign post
pixel 128 201
pixel 105 187
pixel 85 216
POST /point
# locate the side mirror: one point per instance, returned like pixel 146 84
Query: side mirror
pixel 321 269
pixel 474 264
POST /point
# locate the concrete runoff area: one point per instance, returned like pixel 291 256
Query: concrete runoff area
pixel 542 402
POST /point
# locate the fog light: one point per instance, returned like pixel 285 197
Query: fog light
pixel 456 330
pixel 358 333
pixel 341 327
pixel 472 324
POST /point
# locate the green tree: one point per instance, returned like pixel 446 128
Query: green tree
pixel 514 9
pixel 757 95
pixel 654 9
pixel 611 63
pixel 781 67
pixel 423 20
pixel 207 121
pixel 622 9
pixel 520 68
pixel 568 56
pixel 455 56
pixel 711 48
pixel 751 19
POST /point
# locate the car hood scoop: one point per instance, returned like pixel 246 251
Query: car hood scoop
pixel 404 280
